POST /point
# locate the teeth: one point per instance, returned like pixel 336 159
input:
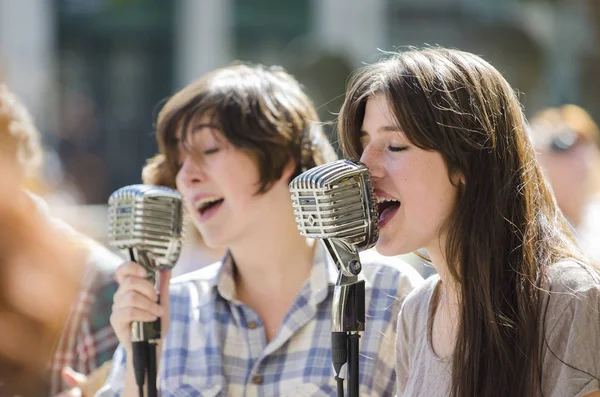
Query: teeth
pixel 385 200
pixel 206 200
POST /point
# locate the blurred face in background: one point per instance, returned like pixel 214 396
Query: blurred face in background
pixel 568 160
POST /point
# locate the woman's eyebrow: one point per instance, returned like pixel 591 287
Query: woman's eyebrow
pixel 385 128
pixel 389 128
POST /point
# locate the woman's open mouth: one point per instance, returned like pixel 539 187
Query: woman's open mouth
pixel 208 206
pixel 387 209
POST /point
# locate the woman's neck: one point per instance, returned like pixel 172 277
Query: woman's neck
pixel 445 317
pixel 274 256
pixel 450 288
pixel 272 264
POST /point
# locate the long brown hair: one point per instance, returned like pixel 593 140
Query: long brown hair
pixel 505 229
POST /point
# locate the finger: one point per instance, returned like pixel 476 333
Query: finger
pixel 135 300
pixel 129 269
pixel 139 285
pixel 164 278
pixel 73 378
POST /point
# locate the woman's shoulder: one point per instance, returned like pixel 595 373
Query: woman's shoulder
pixel 571 323
pixel 412 320
pixel 572 290
pixel 571 301
pixel 417 302
pixel 573 277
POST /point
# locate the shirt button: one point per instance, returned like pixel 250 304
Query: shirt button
pixel 257 379
pixel 252 325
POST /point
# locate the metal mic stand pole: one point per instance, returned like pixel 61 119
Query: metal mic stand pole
pixel 145 337
pixel 348 316
pixel 349 302
pixel 354 318
pixel 153 340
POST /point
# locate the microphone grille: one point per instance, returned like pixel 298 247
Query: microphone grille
pixel 336 200
pixel 148 218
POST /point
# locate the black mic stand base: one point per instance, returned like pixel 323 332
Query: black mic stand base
pixel 353 354
pixel 152 391
pixel 139 357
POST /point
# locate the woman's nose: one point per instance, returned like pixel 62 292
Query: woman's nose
pixel 191 172
pixel 370 158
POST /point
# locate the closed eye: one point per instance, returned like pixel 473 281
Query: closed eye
pixel 397 148
pixel 211 151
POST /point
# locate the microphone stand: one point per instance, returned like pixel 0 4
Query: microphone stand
pixel 145 335
pixel 348 314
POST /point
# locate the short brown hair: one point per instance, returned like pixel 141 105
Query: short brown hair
pixel 260 110
pixel 19 138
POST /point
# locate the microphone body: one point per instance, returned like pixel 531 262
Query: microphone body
pixel 146 222
pixel 335 203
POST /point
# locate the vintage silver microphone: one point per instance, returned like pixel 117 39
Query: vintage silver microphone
pixel 335 203
pixel 146 223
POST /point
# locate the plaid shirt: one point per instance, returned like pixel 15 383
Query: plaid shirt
pixel 216 345
pixel 88 340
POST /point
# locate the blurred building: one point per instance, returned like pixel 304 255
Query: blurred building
pixel 95 72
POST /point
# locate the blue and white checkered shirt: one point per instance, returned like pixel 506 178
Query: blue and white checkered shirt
pixel 216 345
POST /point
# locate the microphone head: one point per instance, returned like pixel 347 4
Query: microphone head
pixel 336 201
pixel 149 219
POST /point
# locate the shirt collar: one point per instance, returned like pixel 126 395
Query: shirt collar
pixel 225 278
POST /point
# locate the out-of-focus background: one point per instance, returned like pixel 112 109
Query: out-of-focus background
pixel 94 73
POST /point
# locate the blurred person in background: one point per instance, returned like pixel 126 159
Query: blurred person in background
pixel 87 340
pixel 259 321
pixel 39 280
pixel 567 142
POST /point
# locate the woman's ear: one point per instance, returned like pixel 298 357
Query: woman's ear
pixel 288 170
pixel 457 179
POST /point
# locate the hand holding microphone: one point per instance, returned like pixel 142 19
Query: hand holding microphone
pixel 146 222
pixel 136 300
